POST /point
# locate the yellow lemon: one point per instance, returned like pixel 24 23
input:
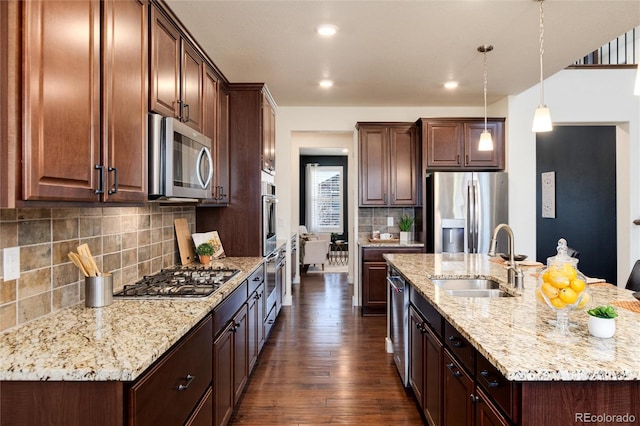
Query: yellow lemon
pixel 585 300
pixel 568 296
pixel 556 302
pixel 578 285
pixel 569 271
pixel 558 279
pixel 549 290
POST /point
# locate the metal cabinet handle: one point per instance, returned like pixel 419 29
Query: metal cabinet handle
pixel 114 189
pixel 458 159
pixel 467 160
pixel 189 378
pixel 235 326
pixel 474 398
pixel 486 377
pixel 455 342
pixel 188 117
pixel 179 115
pixel 454 370
pixel 100 189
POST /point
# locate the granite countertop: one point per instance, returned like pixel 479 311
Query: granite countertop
pixel 117 342
pixel 512 332
pixel 364 242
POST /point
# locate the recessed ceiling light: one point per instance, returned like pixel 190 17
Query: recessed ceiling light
pixel 326 30
pixel 451 84
pixel 326 83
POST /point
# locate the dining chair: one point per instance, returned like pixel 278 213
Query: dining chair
pixel 633 283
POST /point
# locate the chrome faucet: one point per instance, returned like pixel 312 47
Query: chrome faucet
pixel 514 273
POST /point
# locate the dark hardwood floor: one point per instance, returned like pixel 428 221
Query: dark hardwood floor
pixel 326 364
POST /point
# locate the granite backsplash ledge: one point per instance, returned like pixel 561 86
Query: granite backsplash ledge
pixel 129 242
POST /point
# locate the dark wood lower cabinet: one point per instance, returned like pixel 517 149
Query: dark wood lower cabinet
pixel 458 394
pixel 240 350
pixel 223 376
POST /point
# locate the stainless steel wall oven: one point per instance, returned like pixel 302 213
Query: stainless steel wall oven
pixel 269 202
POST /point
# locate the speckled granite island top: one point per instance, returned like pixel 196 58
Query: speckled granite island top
pixel 511 332
pixel 117 342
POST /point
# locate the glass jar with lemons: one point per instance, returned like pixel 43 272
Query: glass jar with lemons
pixel 562 287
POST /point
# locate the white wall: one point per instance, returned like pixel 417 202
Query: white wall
pixel 574 97
pixel 578 97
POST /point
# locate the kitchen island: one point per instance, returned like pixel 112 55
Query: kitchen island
pixel 99 356
pixel 550 381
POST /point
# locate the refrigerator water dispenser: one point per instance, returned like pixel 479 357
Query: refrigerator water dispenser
pixel 452 235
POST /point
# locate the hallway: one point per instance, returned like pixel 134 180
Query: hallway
pixel 325 364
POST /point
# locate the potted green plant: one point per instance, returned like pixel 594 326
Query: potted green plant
pixel 602 321
pixel 405 224
pixel 205 251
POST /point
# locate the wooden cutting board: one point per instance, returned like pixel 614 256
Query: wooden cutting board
pixel 185 244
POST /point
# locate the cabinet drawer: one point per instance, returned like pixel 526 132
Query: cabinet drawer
pixel 501 390
pixel 169 392
pixel 375 254
pixel 228 308
pixel 428 312
pixel 460 347
pixel 256 278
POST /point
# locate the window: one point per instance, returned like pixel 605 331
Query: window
pixel 324 198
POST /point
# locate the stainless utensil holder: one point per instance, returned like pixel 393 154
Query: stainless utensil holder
pixel 98 291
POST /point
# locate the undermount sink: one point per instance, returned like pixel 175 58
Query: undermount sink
pixel 466 283
pixel 479 293
pixel 471 287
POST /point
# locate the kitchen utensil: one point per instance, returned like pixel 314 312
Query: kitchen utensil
pixel 75 259
pixel 87 259
pixel 98 291
pixel 185 243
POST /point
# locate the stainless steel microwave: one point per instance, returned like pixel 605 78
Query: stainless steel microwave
pixel 180 162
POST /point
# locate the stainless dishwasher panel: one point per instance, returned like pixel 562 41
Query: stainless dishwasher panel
pixel 399 323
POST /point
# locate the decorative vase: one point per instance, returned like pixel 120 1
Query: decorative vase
pixel 205 259
pixel 602 327
pixel 405 236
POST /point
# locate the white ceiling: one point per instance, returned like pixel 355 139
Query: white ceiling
pixel 398 52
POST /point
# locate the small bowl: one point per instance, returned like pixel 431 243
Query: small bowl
pixel 516 257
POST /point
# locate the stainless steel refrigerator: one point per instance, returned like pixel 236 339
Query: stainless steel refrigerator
pixel 463 208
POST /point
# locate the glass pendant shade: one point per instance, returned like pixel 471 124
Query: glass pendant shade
pixel 486 142
pixel 542 120
pixel 637 89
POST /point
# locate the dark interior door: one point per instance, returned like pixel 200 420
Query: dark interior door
pixel 584 161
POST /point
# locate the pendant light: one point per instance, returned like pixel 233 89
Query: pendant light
pixel 486 142
pixel 542 117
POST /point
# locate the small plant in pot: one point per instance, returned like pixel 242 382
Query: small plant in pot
pixel 405 224
pixel 205 251
pixel 602 321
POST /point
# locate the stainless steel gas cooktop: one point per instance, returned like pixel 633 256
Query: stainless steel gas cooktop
pixel 178 283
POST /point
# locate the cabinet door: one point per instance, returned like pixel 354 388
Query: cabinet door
pixel 268 136
pixel 222 148
pixel 486 413
pixel 403 166
pixel 192 72
pixel 374 287
pixel 458 408
pixel 432 377
pixel 261 317
pixel 373 166
pixel 483 159
pixel 252 330
pixel 165 65
pixel 210 119
pixel 443 144
pixel 125 99
pixel 61 100
pixel 223 376
pixel 240 352
pixel 416 356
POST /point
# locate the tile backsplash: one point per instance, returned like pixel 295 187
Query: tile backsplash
pixel 372 219
pixel 129 242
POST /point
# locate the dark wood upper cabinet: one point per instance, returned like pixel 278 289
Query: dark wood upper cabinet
pixel 85 104
pixel 452 144
pixel 389 164
pixel 268 135
pixel 125 98
pixel 177 73
pixel 61 100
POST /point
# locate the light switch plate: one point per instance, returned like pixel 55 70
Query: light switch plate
pixel 11 263
pixel 389 221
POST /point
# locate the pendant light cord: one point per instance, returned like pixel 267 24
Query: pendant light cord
pixel 485 89
pixel 541 53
